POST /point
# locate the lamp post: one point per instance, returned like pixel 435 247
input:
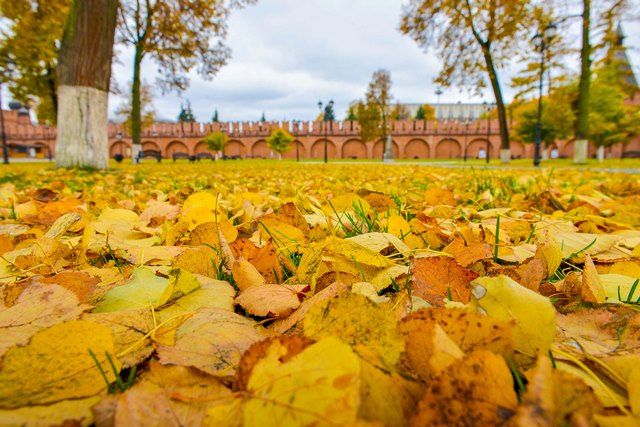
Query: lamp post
pixel 5 149
pixel 541 41
pixel 439 92
pixel 295 139
pixel 487 108
pixel 466 138
pixel 327 115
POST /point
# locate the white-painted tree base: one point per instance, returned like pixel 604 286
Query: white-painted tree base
pixel 387 157
pixel 580 151
pixel 505 155
pixel 83 127
pixel 600 154
pixel 545 154
pixel 135 152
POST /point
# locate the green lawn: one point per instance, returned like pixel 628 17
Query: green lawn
pixel 477 163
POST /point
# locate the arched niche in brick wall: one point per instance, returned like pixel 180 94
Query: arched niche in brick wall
pixel 120 147
pixel 317 149
pixel 417 149
pixel 378 149
pixel 354 149
pixel 448 148
pixel 291 153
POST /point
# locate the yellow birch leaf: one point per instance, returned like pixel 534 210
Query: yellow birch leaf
pixel 66 412
pixel 200 199
pixel 379 242
pixel 207 233
pixel 146 290
pixel 36 308
pixel 246 275
pixel 357 321
pixel 386 397
pixel 56 365
pixel 319 386
pixel 592 289
pixel 534 315
pixel 357 253
pixel 617 284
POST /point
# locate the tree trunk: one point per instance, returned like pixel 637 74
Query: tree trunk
pixel 505 152
pixel 52 86
pixel 84 74
pixel 136 104
pixel 388 150
pixel 600 153
pixel 582 115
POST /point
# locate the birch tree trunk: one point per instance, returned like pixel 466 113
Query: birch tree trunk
pixel 84 74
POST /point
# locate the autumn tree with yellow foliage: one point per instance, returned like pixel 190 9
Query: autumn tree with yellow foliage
pixel 179 35
pixel 474 39
pixel 29 52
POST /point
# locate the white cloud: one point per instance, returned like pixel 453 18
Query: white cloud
pixel 288 54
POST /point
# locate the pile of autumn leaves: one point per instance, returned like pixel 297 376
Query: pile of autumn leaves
pixel 237 305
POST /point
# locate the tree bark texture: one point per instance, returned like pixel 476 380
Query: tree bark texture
pixel 505 152
pixel 84 74
pixel 582 114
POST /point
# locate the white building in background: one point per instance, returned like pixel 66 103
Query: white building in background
pixel 460 111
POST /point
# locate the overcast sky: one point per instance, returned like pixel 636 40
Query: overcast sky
pixel 289 54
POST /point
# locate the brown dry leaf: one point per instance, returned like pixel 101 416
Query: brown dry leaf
pixel 245 274
pixel 6 244
pixel 468 330
pixel 435 278
pixel 264 259
pixel 477 390
pixel 79 282
pixel 275 301
pixel 595 330
pixel 465 255
pixel 168 396
pixel 428 350
pixel 50 212
pixel 212 340
pixel 158 212
pixel 531 274
pixel 44 195
pixel 428 231
pixel 36 308
pixel 554 398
